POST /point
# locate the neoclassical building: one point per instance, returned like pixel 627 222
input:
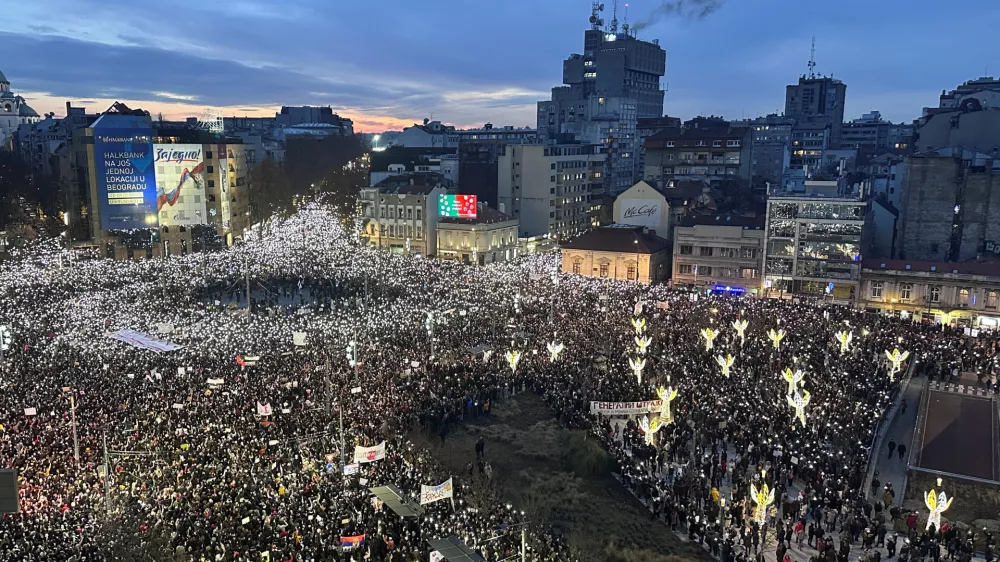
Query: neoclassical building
pixel 14 112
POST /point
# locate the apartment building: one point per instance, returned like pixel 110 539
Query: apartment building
pixel 719 252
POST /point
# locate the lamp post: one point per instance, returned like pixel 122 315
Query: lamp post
pixel 636 259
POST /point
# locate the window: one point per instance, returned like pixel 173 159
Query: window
pixel 705 250
pixel 208 155
pixel 748 273
pixel 630 274
pixel 935 294
pixel 991 300
pixel 749 253
pixel 576 267
pixel 552 178
pixel 963 297
pixel 211 183
pixel 727 252
pixel 686 250
pixel 732 143
pixel 685 269
pixel 392 212
pixel 905 290
pixel 716 144
pixel 604 270
pixel 210 169
pixel 877 289
pixel 670 144
pixel 703 270
pixel 409 213
pixel 418 213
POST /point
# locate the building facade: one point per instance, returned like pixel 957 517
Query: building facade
pixel 491 237
pixel 549 189
pixel 956 293
pixel 817 99
pixel 14 112
pixel 401 214
pixel 709 149
pixel 624 253
pixel 813 245
pixel 645 206
pixel 721 252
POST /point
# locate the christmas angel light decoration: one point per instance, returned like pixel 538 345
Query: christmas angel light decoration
pixel 709 335
pixel 637 365
pixel 667 395
pixel 352 354
pixel 640 325
pixel 650 427
pixel 794 379
pixel 845 340
pixel 641 343
pixel 725 362
pixel 554 350
pixel 776 337
pixel 763 498
pixel 799 401
pixel 896 358
pixel 513 358
pixel 937 504
pixel 741 328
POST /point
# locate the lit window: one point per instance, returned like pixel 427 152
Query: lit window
pixel 877 289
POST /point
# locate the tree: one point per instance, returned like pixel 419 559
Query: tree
pixel 269 191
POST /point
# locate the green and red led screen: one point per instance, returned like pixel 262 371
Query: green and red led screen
pixel 459 206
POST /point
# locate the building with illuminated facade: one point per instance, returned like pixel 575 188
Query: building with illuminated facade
pixel 719 252
pixel 490 237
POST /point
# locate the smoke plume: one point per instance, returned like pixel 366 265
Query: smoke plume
pixel 687 9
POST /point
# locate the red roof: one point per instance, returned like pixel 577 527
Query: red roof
pixel 972 267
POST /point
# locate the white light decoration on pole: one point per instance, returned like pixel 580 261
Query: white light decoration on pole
pixel 513 358
pixel 937 504
pixel 352 353
pixel 667 395
pixel 640 325
pixel 845 340
pixel 650 427
pixel 793 379
pixel 896 358
pixel 554 350
pixel 762 498
pixel 799 401
pixel 5 340
pixel 741 328
pixel 726 363
pixel 642 343
pixel 775 337
pixel 709 335
pixel 637 365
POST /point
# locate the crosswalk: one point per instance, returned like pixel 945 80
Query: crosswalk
pixel 961 389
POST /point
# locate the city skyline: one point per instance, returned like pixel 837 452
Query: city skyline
pixel 389 68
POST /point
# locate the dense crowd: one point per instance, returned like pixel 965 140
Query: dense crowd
pixel 198 472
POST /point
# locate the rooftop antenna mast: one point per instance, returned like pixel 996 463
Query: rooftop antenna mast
pixel 614 18
pixel 625 25
pixel 595 19
pixel 812 58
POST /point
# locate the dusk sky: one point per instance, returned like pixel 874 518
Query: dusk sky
pixel 390 63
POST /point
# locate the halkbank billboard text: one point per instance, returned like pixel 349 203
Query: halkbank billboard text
pixel 126 186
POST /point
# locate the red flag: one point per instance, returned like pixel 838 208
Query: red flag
pixel 240 361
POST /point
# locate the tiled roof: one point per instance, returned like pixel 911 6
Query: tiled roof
pixel 972 267
pixel 618 239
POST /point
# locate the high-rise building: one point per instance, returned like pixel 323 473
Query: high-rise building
pixel 817 99
pixel 772 137
pixel 706 148
pixel 607 89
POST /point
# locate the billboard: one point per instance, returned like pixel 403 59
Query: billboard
pixel 126 187
pixel 459 206
pixel 227 217
pixel 640 212
pixel 180 184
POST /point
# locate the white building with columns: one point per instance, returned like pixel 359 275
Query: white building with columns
pixel 14 112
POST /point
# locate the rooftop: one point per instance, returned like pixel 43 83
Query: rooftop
pixel 484 215
pixel 622 239
pixel 681 133
pixel 413 183
pixel 748 223
pixel 988 268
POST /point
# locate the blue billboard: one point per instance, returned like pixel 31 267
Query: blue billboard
pixel 126 184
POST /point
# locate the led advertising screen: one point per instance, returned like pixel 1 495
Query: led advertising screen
pixel 459 206
pixel 180 184
pixel 126 188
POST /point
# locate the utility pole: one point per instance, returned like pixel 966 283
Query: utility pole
pixel 76 439
pixel 107 476
pixel 246 273
pixel 343 447
pixel 524 542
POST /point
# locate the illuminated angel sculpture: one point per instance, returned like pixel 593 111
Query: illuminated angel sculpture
pixel 741 328
pixel 725 362
pixel 667 395
pixel 799 401
pixel 554 350
pixel 709 335
pixel 794 379
pixel 864 332
pixel 513 358
pixel 763 498
pixel 640 325
pixel 776 337
pixel 937 504
pixel 352 354
pixel 637 365
pixel 896 358
pixel 650 427
pixel 845 340
pixel 641 343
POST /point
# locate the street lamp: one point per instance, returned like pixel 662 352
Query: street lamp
pixel 636 260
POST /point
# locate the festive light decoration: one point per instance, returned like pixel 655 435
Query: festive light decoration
pixel 793 379
pixel 864 332
pixel 726 363
pixel 741 328
pixel 845 340
pixel 641 343
pixel 709 335
pixel 776 337
pixel 650 427
pixel 896 358
pixel 799 401
pixel 763 498
pixel 554 350
pixel 937 504
pixel 352 354
pixel 640 325
pixel 667 395
pixel 637 365
pixel 513 358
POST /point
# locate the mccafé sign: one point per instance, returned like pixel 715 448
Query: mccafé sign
pixel 640 212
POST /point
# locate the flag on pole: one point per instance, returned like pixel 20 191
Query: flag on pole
pixel 350 543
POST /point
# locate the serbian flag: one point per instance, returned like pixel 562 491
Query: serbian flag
pixel 350 543
pixel 241 362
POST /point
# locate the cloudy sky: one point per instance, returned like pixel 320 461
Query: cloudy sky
pixel 389 63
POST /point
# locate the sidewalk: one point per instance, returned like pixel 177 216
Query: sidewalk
pixel 901 432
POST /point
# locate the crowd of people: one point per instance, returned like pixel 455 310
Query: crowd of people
pixel 118 446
